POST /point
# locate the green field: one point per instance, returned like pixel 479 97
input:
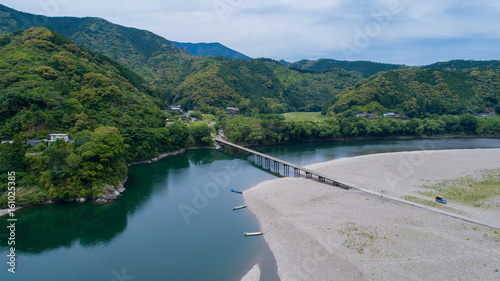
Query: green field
pixel 208 117
pixel 204 122
pixel 304 116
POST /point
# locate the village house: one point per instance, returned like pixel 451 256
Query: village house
pixel 232 110
pixel 391 114
pixel 176 108
pixel 53 138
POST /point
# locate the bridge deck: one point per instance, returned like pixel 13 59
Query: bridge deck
pixel 285 163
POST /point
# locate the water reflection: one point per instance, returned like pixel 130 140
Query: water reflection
pixel 61 225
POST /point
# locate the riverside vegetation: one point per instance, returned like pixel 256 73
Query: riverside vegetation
pixel 105 84
pixel 274 129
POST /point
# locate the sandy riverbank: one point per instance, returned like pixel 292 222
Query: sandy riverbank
pixel 319 232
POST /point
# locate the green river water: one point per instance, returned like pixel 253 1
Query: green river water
pixel 175 220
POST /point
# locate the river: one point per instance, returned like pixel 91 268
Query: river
pixel 175 220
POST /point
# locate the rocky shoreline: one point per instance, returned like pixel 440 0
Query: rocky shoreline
pixel 110 193
pixel 161 156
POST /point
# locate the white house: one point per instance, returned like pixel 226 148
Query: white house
pixel 54 137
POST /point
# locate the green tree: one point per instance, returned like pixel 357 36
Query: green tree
pixel 12 155
pixel 201 134
pixel 469 124
pixel 103 159
pixel 179 134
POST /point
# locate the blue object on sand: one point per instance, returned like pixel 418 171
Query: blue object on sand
pixel 440 199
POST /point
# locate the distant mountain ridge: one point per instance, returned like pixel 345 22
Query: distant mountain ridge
pixel 364 68
pixel 465 65
pixel 368 68
pixel 210 49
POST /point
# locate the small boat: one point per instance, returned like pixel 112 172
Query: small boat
pixel 253 233
pixel 239 207
pixel 236 191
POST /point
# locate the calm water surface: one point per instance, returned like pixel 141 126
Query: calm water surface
pixel 174 222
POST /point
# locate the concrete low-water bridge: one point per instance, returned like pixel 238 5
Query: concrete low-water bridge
pixel 265 161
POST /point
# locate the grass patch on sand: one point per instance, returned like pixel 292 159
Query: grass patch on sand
pixel 357 237
pixel 430 203
pixel 468 190
pixel 304 116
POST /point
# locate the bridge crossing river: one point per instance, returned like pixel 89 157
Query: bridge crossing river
pixel 265 161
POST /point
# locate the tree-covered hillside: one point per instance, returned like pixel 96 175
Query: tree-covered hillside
pixel 177 77
pixel 259 86
pixel 418 93
pixel 144 52
pixel 49 84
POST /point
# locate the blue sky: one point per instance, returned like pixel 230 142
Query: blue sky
pixel 412 32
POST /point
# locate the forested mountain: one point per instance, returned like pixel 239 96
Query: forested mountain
pixel 177 77
pixel 418 93
pixel 363 68
pixel 144 52
pixel 210 49
pixel 260 86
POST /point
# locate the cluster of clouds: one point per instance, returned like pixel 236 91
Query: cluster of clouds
pixel 413 32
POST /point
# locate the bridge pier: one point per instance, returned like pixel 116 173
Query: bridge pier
pixel 308 175
pixel 296 172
